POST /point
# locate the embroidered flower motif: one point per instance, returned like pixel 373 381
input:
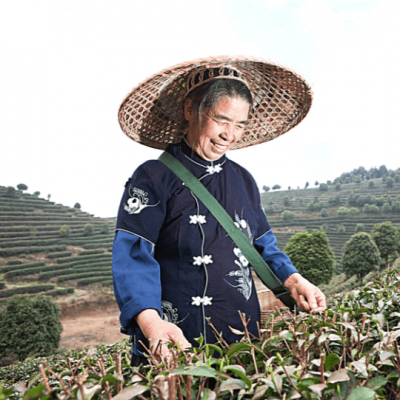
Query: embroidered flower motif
pixel 214 169
pixel 202 260
pixel 197 301
pixel 194 219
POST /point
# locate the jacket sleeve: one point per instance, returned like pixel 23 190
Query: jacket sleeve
pixel 136 278
pixel 278 261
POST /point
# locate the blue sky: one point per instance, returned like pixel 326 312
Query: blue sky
pixel 67 65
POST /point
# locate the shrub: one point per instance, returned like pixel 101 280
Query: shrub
pixel 366 209
pixel 275 187
pixel 337 186
pixel 342 211
pixel 286 201
pixel 359 228
pixel 269 210
pixel 389 182
pixel 105 229
pixel 325 227
pixel 347 180
pixel 371 184
pixel 10 191
pixel 2 285
pixel 386 208
pixel 30 326
pixel 25 290
pixel 64 231
pixel 373 209
pixel 288 216
pixel 310 206
pixel 341 229
pixel 36 194
pixel 324 212
pixel 77 205
pixel 360 255
pixel 323 187
pixel 353 211
pixel 312 256
pixel 14 262
pixel 386 237
pixel 397 178
pixel 266 188
pixel 59 255
pixel 22 186
pixel 88 230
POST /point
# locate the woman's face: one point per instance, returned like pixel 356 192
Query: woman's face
pixel 218 129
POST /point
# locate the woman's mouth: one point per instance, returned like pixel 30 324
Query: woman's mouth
pixel 219 146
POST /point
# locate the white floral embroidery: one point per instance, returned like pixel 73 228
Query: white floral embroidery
pixel 202 260
pixel 194 219
pixel 137 202
pixel 197 301
pixel 214 169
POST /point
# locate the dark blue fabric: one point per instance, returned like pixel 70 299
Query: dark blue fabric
pixel 202 272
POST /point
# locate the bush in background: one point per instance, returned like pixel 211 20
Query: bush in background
pixel 88 230
pixel 64 231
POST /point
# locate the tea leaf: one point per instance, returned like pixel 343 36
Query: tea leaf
pixel 362 393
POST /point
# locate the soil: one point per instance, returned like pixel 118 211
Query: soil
pixel 89 322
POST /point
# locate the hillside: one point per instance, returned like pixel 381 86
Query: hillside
pixel 332 199
pixel 36 258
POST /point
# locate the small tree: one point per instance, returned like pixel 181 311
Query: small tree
pixel 389 182
pixel 324 187
pixel 337 186
pixel 77 205
pixel 342 211
pixel 30 326
pixel 10 191
pixel 266 188
pixel 286 201
pixel 366 208
pixel 316 183
pixel 386 208
pixel 324 212
pixel 353 211
pixel 288 216
pixel 105 229
pixel 310 206
pixel 36 194
pixel 64 231
pixel 48 197
pixel 312 256
pixel 22 187
pixel 325 227
pixel 373 209
pixel 307 185
pixel 386 237
pixel 341 229
pixel 269 210
pixel 88 230
pixel 275 187
pixel 359 228
pixel 371 184
pixel 347 180
pixel 360 256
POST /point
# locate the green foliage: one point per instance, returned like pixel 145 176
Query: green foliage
pixel 342 211
pixel 64 231
pixel 22 186
pixel 2 285
pixel 60 254
pixel 323 187
pixel 310 206
pixel 360 255
pixel 386 237
pixel 275 187
pixel 337 186
pixel 360 228
pixel 324 212
pixel 288 216
pixel 397 178
pixel 371 184
pixel 356 179
pixel 389 182
pixel 88 230
pixel 266 188
pixel 341 229
pixel 312 255
pixel 353 211
pixel 286 201
pixel 269 210
pixel 366 209
pixel 25 290
pixel 77 205
pixel 386 208
pixel 10 191
pixel 29 326
pixel 373 209
pixel 22 251
pixel 325 227
pixel 14 262
pixel 347 180
pixel 105 229
pixel 36 194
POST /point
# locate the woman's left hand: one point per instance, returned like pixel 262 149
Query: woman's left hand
pixel 307 296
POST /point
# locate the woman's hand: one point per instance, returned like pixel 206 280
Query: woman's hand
pixel 156 329
pixel 307 296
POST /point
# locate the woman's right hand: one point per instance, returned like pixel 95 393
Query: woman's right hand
pixel 156 329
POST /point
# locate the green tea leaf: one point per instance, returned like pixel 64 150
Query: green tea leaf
pixel 362 393
pixel 331 360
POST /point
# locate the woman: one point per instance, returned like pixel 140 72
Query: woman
pixel 174 265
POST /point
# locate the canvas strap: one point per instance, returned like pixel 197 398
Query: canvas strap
pixel 248 250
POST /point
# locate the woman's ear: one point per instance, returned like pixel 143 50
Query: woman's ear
pixel 188 110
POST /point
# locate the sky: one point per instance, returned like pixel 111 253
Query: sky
pixel 66 66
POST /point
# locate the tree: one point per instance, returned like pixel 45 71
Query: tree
pixel 360 228
pixel 10 191
pixel 324 212
pixel 286 201
pixel 310 206
pixel 269 210
pixel 29 326
pixel 312 256
pixel 325 227
pixel 266 188
pixel 337 186
pixel 288 216
pixel 347 180
pixel 289 188
pixel 386 208
pixel 77 205
pixel 36 194
pixel 342 211
pixel 316 183
pixel 371 184
pixel 324 187
pixel 373 209
pixel 64 231
pixel 397 178
pixel 88 230
pixel 105 228
pixel 307 185
pixel 341 229
pixel 386 237
pixel 360 256
pixel 275 187
pixel 389 182
pixel 353 211
pixel 22 186
pixel 48 197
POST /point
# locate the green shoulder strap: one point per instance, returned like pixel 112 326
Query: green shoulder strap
pixel 248 250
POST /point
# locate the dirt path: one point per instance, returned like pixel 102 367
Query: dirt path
pixel 90 324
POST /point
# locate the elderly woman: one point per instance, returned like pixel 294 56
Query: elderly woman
pixel 174 265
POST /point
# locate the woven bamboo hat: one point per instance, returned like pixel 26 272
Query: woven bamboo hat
pixel 152 114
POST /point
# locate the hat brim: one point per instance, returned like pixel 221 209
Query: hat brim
pixel 152 114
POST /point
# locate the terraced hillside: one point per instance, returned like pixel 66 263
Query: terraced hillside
pixel 34 255
pixel 332 199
